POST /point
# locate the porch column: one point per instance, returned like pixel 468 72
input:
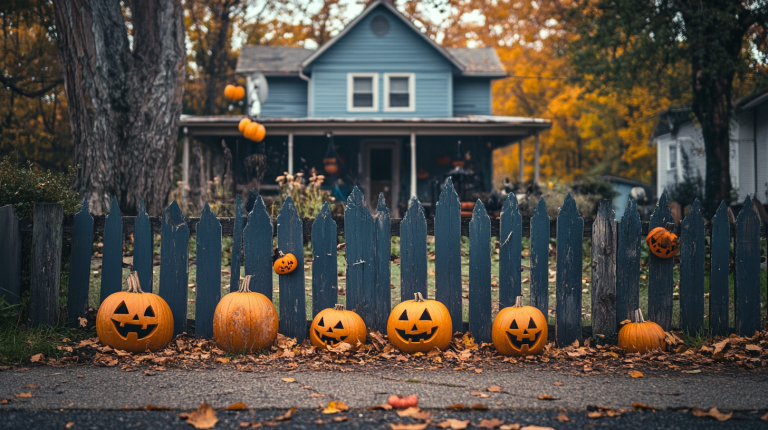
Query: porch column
pixel 522 162
pixel 185 167
pixel 536 158
pixel 413 164
pixel 290 153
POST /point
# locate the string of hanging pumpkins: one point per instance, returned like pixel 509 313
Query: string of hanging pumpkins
pixel 251 130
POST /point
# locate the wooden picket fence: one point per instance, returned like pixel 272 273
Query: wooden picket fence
pixel 615 262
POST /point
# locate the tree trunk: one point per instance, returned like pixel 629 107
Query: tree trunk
pixel 124 104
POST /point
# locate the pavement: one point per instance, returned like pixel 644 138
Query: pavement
pixel 83 394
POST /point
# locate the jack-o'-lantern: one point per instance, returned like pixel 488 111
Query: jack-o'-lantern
pixel 662 242
pixel 641 335
pixel 419 325
pixel 335 325
pixel 133 320
pixel 245 321
pixel 285 263
pixel 519 330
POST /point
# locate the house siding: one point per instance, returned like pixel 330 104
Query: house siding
pixel 287 98
pixel 761 116
pixel 471 96
pixel 397 51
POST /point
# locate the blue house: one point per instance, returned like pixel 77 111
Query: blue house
pixel 399 112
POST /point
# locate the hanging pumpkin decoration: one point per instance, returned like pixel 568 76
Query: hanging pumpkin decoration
pixel 519 330
pixel 244 321
pixel 443 160
pixel 335 325
pixel 133 320
pixel 423 174
pixel 331 165
pixel 662 242
pixel 255 131
pixel 419 325
pixel 641 335
pixel 285 263
pixel 234 92
pixel 243 124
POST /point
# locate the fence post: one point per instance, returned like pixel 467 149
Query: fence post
pixel 604 272
pixel 237 246
pixel 539 258
pixel 10 255
pixel 510 249
pixel 112 253
pixel 46 263
pixel 660 281
pixel 143 249
pixel 480 321
pixel 413 252
pixel 208 277
pixel 360 256
pixel 570 233
pixel 746 296
pixel 174 258
pixel 692 270
pixel 80 265
pixel 324 261
pixel 382 293
pixel 293 302
pixel 720 258
pixel 628 263
pixel 257 238
pixel 448 254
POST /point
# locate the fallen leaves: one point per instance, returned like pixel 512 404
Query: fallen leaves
pixel 203 418
pixel 638 405
pixel 490 424
pixel 36 358
pixel 562 417
pixel 335 407
pixel 24 395
pixel 712 413
pixel 414 413
pixel 288 380
pixel 414 426
pixel 151 407
pixel 239 406
pixel 636 374
pixel 495 389
pixel 546 397
pixel 454 424
pixel 32 386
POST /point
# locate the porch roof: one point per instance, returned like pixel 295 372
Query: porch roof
pixel 483 125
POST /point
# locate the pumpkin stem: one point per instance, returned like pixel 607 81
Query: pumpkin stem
pixel 133 283
pixel 519 302
pixel 338 307
pixel 245 285
pixel 417 297
pixel 639 316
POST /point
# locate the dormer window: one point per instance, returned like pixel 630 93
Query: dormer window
pixel 362 92
pixel 399 89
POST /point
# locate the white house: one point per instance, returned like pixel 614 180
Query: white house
pixel 677 135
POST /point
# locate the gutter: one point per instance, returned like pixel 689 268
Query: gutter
pixel 309 91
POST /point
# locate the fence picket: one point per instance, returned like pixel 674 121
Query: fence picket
pixel 660 282
pixel 480 274
pixel 253 195
pixel 324 264
pixel 112 259
pixel 570 228
pixel 80 264
pixel 237 246
pixel 142 249
pixel 604 271
pixel 628 262
pixel 692 270
pixel 208 277
pixel 360 257
pixel 257 237
pixel 720 254
pixel 746 297
pixel 10 255
pixel 174 257
pixel 448 253
pixel 510 249
pixel 382 293
pixel 46 263
pixel 293 309
pixel 413 252
pixel 539 258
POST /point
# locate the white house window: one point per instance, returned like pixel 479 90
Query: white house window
pixel 672 156
pixel 362 92
pixel 399 92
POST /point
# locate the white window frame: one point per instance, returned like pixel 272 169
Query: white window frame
pixel 676 145
pixel 351 90
pixel 411 92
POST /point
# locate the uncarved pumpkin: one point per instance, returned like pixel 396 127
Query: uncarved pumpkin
pixel 662 242
pixel 133 320
pixel 229 91
pixel 641 335
pixel 255 131
pixel 243 124
pixel 331 169
pixel 419 325
pixel 335 325
pixel 244 321
pixel 519 330
pixel 234 92
pixel 285 264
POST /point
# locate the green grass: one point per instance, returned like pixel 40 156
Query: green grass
pixel 20 343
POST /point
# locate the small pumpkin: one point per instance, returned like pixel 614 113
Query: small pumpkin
pixel 133 320
pixel 335 325
pixel 285 263
pixel 519 330
pixel 419 325
pixel 331 168
pixel 662 242
pixel 255 131
pixel 244 321
pixel 400 402
pixel 443 160
pixel 467 206
pixel 641 335
pixel 243 124
pixel 423 174
pixel 234 92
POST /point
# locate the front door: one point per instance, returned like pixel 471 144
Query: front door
pixel 381 173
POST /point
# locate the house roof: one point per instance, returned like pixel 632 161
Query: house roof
pixel 479 61
pixel 753 100
pixel 271 60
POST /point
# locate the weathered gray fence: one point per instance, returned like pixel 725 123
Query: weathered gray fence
pixel 615 262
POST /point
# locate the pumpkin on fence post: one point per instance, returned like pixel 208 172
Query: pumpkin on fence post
pixel 245 321
pixel 662 242
pixel 520 330
pixel 641 335
pixel 133 320
pixel 419 325
pixel 335 325
pixel 285 263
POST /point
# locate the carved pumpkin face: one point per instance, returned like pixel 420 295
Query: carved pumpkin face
pixel 419 325
pixel 519 330
pixel 286 263
pixel 134 321
pixel 334 326
pixel 662 242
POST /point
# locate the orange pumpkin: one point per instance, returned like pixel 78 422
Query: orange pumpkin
pixel 244 321
pixel 519 330
pixel 331 169
pixel 255 131
pixel 641 335
pixel 335 325
pixel 423 174
pixel 443 160
pixel 400 402
pixel 133 320
pixel 662 242
pixel 243 124
pixel 419 325
pixel 234 92
pixel 286 263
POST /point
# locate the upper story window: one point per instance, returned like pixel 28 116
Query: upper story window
pixel 362 92
pixel 672 156
pixel 399 89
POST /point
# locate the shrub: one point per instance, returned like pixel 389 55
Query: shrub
pixel 23 186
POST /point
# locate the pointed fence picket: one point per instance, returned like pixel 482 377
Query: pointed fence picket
pixel 719 244
pixel 10 255
pixel 570 232
pixel 510 253
pixel 237 246
pixel 293 314
pixel 112 261
pixel 692 271
pixel 628 244
pixel 257 240
pixel 324 264
pixel 539 258
pixel 604 271
pixel 382 295
pixel 208 273
pixel 413 252
pixel 448 254
pixel 143 249
pixel 746 297
pixel 360 255
pixel 660 272
pixel 174 258
pixel 80 264
pixel 480 274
